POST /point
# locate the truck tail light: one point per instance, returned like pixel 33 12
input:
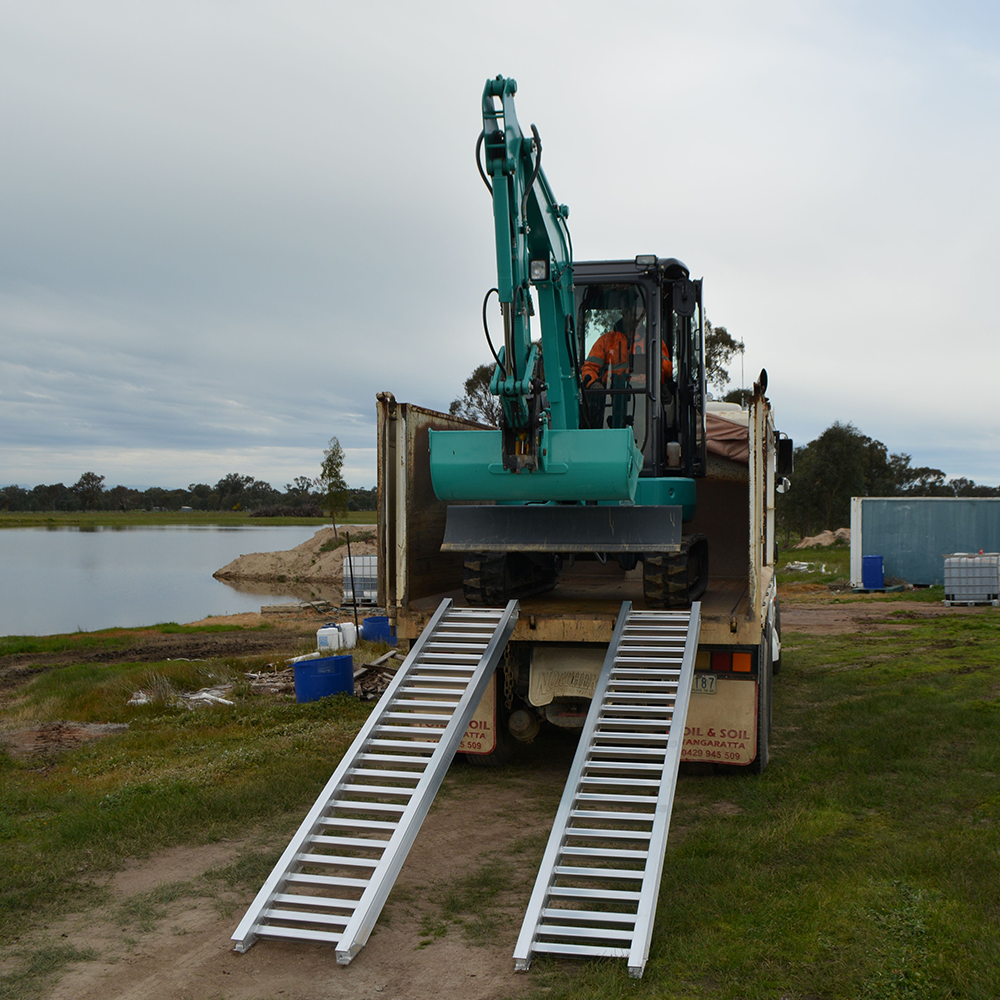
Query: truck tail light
pixel 722 661
pixel 726 662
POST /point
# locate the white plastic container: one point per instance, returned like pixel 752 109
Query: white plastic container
pixel 329 638
pixel 349 635
pixel 972 578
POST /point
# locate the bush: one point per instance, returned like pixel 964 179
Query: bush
pixel 285 510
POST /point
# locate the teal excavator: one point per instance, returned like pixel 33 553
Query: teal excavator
pixel 602 427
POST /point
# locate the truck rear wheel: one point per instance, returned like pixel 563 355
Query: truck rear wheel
pixel 494 578
pixel 675 579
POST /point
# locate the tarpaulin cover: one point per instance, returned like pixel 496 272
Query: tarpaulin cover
pixel 727 438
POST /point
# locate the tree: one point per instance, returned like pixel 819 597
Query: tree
pixel 843 463
pixel 231 489
pixel 720 348
pixel 331 480
pixel 90 488
pixel 478 403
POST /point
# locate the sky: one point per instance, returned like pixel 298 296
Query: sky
pixel 228 225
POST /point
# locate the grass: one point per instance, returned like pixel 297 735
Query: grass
pixel 110 639
pixel 829 567
pixel 827 564
pixel 150 518
pixel 36 969
pixel 862 864
pixel 174 776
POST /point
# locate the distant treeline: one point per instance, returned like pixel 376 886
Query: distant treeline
pixel 843 463
pixel 232 492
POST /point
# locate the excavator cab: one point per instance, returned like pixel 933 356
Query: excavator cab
pixel 639 331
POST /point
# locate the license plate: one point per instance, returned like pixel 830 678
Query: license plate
pixel 703 684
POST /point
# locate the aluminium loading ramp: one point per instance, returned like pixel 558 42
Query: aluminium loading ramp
pixel 597 886
pixel 334 877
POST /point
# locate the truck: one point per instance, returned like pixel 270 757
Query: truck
pixel 633 485
pixel 559 640
pixel 602 560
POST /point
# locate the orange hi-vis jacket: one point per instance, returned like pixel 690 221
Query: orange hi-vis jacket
pixel 610 355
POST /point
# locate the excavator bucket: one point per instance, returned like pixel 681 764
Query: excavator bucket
pixel 588 464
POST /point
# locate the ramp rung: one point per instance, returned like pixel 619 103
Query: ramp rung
pixel 626 763
pixel 603 852
pixel 336 861
pixel 611 797
pixel 374 772
pixel 362 842
pixel 574 892
pixel 609 814
pixel 588 916
pixel 567 930
pixel 419 721
pixel 369 806
pixel 403 744
pixel 326 881
pixel 599 834
pixel 615 874
pixel 388 790
pixel 304 917
pixel 297 934
pixel 326 902
pixel 578 950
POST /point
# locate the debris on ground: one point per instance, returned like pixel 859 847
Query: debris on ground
pixel 272 681
pixel 804 567
pixel 298 607
pixel 208 696
pixel 189 699
pixel 371 679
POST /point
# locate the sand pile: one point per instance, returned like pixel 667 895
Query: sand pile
pixel 306 562
pixel 827 537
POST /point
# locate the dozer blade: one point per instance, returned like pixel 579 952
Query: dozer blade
pixel 555 528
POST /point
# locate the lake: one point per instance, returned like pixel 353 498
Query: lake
pixel 55 580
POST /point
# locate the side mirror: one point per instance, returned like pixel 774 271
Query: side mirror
pixel 685 297
pixel 783 485
pixel 785 456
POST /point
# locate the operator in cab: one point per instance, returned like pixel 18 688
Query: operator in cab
pixel 610 361
pixel 616 361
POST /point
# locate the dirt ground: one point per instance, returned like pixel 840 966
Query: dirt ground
pixel 809 608
pixel 188 952
pixel 285 636
pixel 183 950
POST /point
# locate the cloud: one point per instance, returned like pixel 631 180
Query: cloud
pixel 226 230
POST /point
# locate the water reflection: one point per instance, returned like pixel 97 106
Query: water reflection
pixel 59 579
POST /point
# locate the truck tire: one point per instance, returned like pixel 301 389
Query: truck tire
pixel 491 579
pixel 764 701
pixel 776 665
pixel 672 580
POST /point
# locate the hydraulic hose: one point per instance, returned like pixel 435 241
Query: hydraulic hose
pixel 486 330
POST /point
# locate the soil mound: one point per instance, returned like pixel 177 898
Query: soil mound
pixel 319 560
pixel 827 537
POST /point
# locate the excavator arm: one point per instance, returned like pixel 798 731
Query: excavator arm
pixel 533 247
pixel 540 453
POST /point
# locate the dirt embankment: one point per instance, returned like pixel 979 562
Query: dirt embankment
pixel 319 560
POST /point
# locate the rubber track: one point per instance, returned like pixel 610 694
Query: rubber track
pixel 488 578
pixel 670 580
